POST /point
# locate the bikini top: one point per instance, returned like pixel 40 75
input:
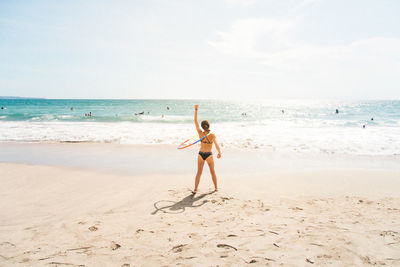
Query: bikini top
pixel 206 142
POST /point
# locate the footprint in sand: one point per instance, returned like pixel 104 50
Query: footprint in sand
pixel 93 228
pixel 178 248
pixel 7 245
pixel 226 246
pixel 115 246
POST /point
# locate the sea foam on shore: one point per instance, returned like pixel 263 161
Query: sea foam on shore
pixel 282 126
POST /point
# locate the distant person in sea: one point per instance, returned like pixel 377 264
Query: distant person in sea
pixel 162 116
pixel 72 108
pixel 283 111
pixel 167 108
pixel 364 126
pixel 372 119
pixel 337 111
pixel 205 153
pixel 2 107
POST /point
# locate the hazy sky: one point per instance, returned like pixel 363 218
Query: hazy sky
pixel 200 49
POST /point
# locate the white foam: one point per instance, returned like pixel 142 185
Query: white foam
pixel 274 135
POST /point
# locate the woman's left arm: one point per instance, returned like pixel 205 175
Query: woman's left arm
pixel 217 147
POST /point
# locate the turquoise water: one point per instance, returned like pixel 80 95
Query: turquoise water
pixel 304 126
pixel 350 113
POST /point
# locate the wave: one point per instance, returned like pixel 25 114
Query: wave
pixel 270 137
pixel 116 118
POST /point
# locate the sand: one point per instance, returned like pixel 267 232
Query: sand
pixel 61 215
pixel 65 216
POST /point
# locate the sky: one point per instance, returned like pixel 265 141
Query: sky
pixel 214 49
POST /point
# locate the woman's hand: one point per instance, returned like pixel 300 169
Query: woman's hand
pixel 219 155
pixel 196 107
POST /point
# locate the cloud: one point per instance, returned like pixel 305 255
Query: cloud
pixel 241 2
pixel 268 48
pixel 270 42
pixel 255 37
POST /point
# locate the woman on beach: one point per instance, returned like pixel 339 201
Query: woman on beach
pixel 205 153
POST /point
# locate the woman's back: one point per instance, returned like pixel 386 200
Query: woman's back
pixel 207 142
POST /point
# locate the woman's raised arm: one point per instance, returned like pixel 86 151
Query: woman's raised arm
pixel 196 107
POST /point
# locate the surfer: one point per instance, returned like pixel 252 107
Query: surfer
pixel 205 153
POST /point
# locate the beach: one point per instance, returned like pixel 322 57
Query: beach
pixel 111 113
pixel 68 207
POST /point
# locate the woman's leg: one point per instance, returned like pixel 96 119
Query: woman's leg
pixel 210 162
pixel 200 165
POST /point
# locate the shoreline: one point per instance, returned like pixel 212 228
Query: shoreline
pixel 128 159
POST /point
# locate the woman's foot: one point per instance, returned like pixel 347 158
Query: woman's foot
pixel 216 190
pixel 194 192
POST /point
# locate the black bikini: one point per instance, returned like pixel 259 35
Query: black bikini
pixel 206 142
pixel 205 155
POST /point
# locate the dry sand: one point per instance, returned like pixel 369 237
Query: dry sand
pixel 53 216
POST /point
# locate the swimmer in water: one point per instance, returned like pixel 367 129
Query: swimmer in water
pixel 205 153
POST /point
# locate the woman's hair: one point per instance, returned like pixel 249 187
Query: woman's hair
pixel 205 125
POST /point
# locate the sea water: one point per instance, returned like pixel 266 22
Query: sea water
pixel 266 125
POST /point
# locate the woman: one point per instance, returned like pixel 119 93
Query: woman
pixel 205 153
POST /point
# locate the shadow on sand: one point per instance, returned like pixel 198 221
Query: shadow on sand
pixel 179 207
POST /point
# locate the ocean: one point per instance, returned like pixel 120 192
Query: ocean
pixel 301 126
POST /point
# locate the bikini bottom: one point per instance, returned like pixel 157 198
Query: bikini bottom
pixel 205 155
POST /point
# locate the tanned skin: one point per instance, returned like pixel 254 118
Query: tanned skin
pixel 205 148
